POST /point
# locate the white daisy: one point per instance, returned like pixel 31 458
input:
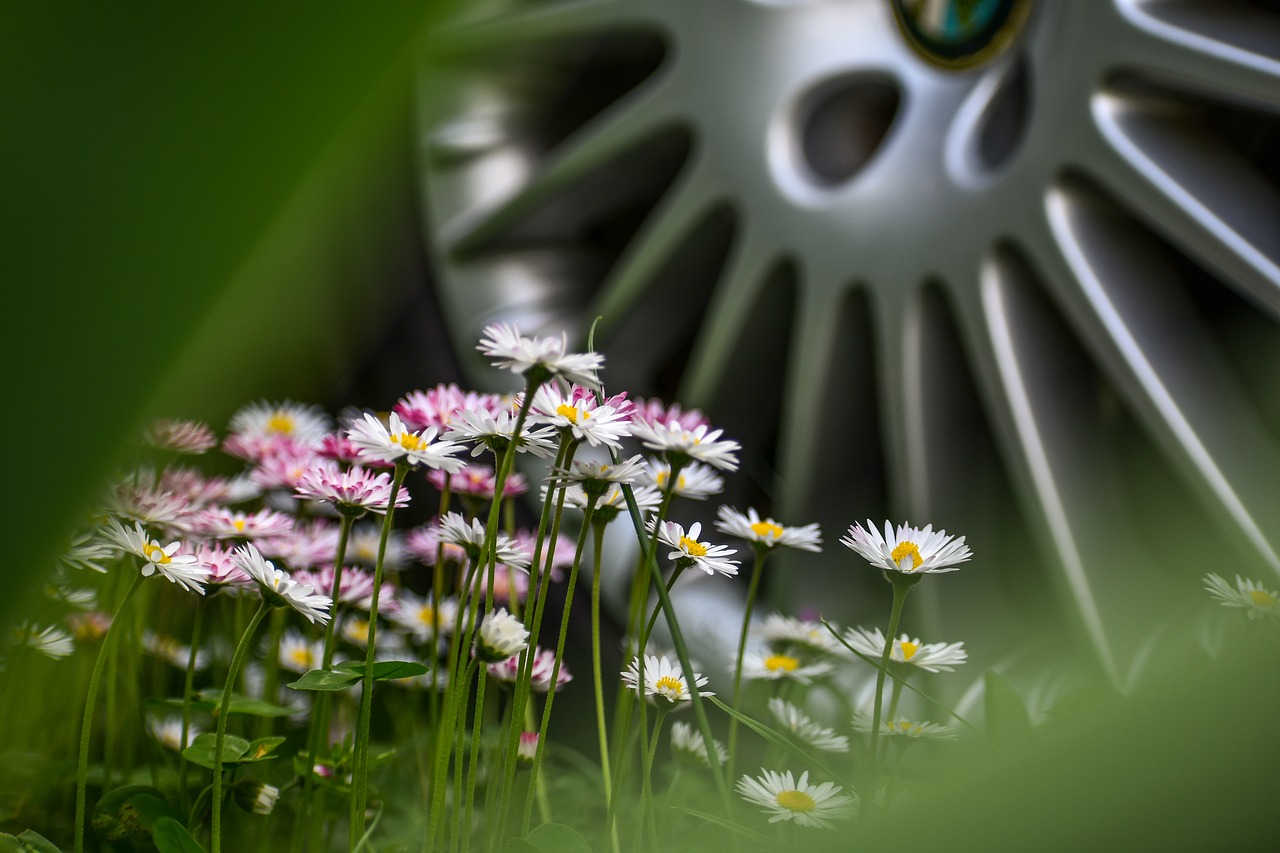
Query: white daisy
pixel 182 569
pixel 701 443
pixel 173 652
pixel 610 502
pixel 300 654
pixel 456 530
pixel 626 471
pixel 501 636
pixel 49 641
pixel 766 531
pixel 779 667
pixel 168 731
pixel 495 433
pixel 688 746
pixel 785 633
pixel 395 442
pixel 696 482
pixel 906 728
pixel 87 552
pixel 577 414
pixel 662 680
pixel 1257 601
pixel 512 351
pixel 786 798
pixel 281 589
pixel 261 798
pixel 362 546
pixel 303 424
pixel 931 657
pixel 795 721
pixel 686 547
pixel 179 436
pixel 909 550
pixel 544 661
pixel 422 619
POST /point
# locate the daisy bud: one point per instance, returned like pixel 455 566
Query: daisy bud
pixel 527 750
pixel 501 635
pixel 256 797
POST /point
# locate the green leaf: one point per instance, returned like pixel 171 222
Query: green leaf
pixel 557 838
pixel 1007 717
pixel 31 841
pixel 209 701
pixel 170 836
pixel 721 822
pixel 773 737
pixel 518 845
pixel 323 679
pixel 262 749
pixel 386 670
pixel 201 751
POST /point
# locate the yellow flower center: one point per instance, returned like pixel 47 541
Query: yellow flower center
pixel 786 663
pixel 155 553
pixel 238 524
pixel 281 422
pixel 427 615
pixel 901 726
pixel 663 476
pixel 408 440
pixel 301 657
pixel 1262 598
pixel 909 650
pixel 358 629
pixel 767 530
pixel 669 684
pixel 904 550
pixel 570 413
pixel 796 801
pixel 692 548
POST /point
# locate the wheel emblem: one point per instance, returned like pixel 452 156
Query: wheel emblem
pixel 960 33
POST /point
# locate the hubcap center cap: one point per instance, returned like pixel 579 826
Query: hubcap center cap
pixel 958 34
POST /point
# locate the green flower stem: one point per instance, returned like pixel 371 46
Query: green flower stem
pixel 455 695
pixel 762 553
pixel 188 683
pixel 224 711
pixel 271 668
pixel 894 697
pixel 597 678
pixel 646 789
pixel 473 761
pixel 901 586
pixel 555 667
pixel 86 725
pixel 360 793
pixel 321 701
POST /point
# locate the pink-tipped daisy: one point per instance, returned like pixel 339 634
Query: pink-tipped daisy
pixel 653 411
pixel 298 422
pixel 425 545
pixel 181 569
pixel 283 467
pixel 221 523
pixel 766 531
pixel 909 550
pixel 395 442
pixel 178 436
pixel 508 671
pixel 479 481
pixel 783 797
pixel 578 415
pixel 510 350
pixel 686 548
pixel 304 546
pixel 355 588
pixel 141 497
pixel 353 492
pixel 438 406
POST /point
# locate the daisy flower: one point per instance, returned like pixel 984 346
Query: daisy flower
pixel 1256 600
pixel 544 661
pixel 909 550
pixel 795 721
pixel 931 657
pixel 354 491
pixel 200 490
pixel 168 731
pixel 686 547
pixel 182 569
pixel 662 680
pixel 356 586
pixel 613 500
pixel 50 641
pixel 256 797
pixel 178 436
pixel 283 467
pixel 221 523
pixel 437 407
pixel 509 349
pixel 424 544
pixel 501 635
pixel 700 444
pixel 470 536
pixel 362 546
pixel 654 411
pixel 906 728
pixel 422 619
pixel 778 667
pixel 89 627
pixel 578 415
pixel 786 633
pixel 313 544
pixel 142 498
pixel 585 473
pixel 281 589
pixel 397 443
pixel 300 654
pixel 689 749
pixel 479 481
pixel 527 750
pixel 262 422
pixel 87 552
pixel 496 432
pixel 766 531
pixel 695 482
pixel 784 797
pixel 171 651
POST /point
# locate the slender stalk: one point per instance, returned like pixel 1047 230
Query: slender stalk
pixel 197 625
pixel 223 712
pixel 598 682
pixel 555 667
pixel 86 725
pixel 646 790
pixel 360 794
pixel 900 590
pixel 322 701
pixel 762 554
